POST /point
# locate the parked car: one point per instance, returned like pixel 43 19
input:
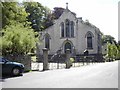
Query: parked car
pixel 11 68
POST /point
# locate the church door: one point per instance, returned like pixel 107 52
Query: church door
pixel 68 46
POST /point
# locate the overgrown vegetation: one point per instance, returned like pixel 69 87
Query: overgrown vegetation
pixel 18 39
pixel 113 48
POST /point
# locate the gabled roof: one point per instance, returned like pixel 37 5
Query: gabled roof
pixel 58 11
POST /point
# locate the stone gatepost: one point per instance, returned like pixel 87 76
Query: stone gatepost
pixel 68 63
pixel 45 59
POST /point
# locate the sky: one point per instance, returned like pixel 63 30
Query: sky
pixel 101 13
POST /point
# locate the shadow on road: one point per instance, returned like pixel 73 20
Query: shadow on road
pixel 4 77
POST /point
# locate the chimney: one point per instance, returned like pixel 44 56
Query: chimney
pixel 66 5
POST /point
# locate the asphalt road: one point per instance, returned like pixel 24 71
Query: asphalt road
pixel 102 75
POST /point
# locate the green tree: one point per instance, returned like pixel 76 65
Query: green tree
pixel 37 15
pixel 18 39
pixel 108 38
pixel 109 54
pixel 118 53
pixel 13 12
pixel 112 51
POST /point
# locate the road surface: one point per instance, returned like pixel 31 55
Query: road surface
pixel 102 75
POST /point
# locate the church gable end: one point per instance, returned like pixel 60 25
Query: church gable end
pixel 70 32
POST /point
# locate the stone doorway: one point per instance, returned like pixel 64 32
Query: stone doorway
pixel 68 46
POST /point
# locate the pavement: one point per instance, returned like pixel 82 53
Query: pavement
pixel 100 75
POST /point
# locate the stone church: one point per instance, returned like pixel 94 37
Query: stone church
pixel 71 32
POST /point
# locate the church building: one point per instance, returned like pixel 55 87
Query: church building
pixel 71 32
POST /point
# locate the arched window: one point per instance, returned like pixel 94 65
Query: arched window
pixel 72 29
pixel 47 41
pixel 89 40
pixel 67 23
pixel 67 46
pixel 62 29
